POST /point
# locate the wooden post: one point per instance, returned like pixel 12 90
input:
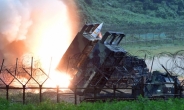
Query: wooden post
pixel 75 93
pixel 24 87
pixel 40 87
pixel 142 85
pixel 114 91
pixel 57 94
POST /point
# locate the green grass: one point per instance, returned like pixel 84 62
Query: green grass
pixel 140 104
pixel 153 49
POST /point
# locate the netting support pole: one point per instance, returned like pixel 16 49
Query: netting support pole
pixel 57 94
pixel 75 93
pixel 40 87
pixel 24 88
pixel 7 92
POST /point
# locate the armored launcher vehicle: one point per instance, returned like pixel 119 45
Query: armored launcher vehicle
pixel 100 67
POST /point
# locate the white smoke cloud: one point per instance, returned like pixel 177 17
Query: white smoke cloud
pixel 14 20
pixel 22 23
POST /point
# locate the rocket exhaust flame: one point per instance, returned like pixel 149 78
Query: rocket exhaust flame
pixel 43 28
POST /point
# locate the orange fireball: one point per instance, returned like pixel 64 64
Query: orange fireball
pixel 44 28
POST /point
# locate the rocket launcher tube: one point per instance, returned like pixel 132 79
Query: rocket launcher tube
pixel 79 49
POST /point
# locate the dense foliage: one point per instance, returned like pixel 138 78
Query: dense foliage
pixel 140 104
pixel 132 11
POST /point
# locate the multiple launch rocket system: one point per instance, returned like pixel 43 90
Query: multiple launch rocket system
pixel 95 62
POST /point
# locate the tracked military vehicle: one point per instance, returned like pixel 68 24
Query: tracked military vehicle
pixel 100 67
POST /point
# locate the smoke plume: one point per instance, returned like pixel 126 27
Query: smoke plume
pixel 41 27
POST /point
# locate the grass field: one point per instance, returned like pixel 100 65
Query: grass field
pixel 140 104
pixel 153 49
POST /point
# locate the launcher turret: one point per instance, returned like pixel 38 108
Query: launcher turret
pixel 107 64
pixel 98 63
pixel 95 62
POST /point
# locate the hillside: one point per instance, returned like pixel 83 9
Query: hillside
pixel 126 13
pixel 136 18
